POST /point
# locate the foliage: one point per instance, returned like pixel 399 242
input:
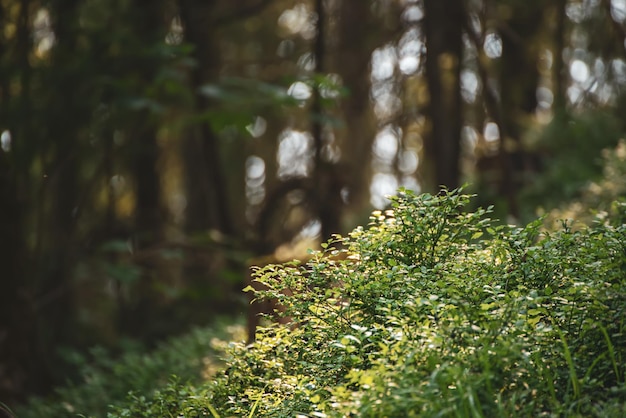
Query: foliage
pixel 106 380
pixel 435 312
pixel 573 145
pixel 600 197
pixel 251 123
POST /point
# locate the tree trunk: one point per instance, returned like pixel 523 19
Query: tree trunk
pixel 54 304
pixel 560 76
pixel 519 79
pixel 519 74
pixel 17 355
pixel 148 23
pixel 443 24
pixel 326 194
pixel 208 198
pixel 355 43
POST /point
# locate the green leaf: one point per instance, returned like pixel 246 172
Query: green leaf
pixel 477 235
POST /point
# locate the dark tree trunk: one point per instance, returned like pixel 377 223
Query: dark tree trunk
pixel 56 296
pixel 148 22
pixel 327 181
pixel 355 43
pixel 519 73
pixel 560 76
pixel 198 201
pixel 148 217
pixel 519 79
pixel 18 363
pixel 137 317
pixel 54 305
pixel 324 202
pixel 208 198
pixel 443 23
pixel 150 30
pixel 21 370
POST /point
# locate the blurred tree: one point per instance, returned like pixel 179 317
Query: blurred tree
pixel 443 23
pixel 17 350
pixel 519 25
pixel 513 39
pixel 209 200
pixel 351 51
pixel 61 143
pixel 148 29
pixel 16 324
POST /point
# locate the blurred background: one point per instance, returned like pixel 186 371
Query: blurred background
pixel 150 149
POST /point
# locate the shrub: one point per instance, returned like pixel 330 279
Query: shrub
pixel 572 145
pixel 105 380
pixel 599 198
pixel 435 312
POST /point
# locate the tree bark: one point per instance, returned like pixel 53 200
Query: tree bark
pixel 208 199
pixel 519 78
pixel 443 24
pixel 147 22
pixel 54 303
pixel 327 186
pixel 355 43
pixel 560 76
pixel 149 26
pixel 17 357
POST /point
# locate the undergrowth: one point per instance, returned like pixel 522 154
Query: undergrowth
pixel 106 381
pixel 435 312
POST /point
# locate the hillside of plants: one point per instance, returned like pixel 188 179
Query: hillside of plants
pixel 435 311
pixel 312 208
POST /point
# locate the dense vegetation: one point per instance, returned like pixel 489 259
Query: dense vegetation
pixel 151 151
pixel 105 379
pixel 436 311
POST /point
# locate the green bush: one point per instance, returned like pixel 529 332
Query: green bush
pixel 572 145
pixel 105 380
pixel 598 198
pixel 435 312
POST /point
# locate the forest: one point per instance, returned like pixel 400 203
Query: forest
pixel 151 152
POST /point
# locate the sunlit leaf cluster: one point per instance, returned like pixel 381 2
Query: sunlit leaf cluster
pixel 436 311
